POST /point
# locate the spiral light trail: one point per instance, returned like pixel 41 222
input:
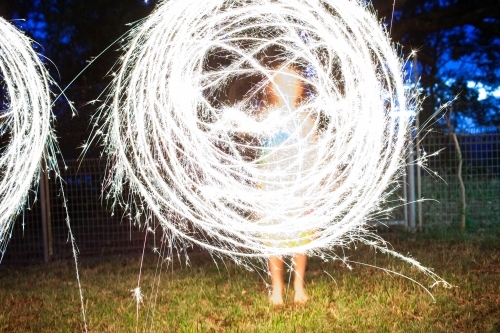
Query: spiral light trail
pixel 26 130
pixel 25 125
pixel 185 124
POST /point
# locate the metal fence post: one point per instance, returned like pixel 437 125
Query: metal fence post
pixel 405 196
pixel 411 186
pixel 417 139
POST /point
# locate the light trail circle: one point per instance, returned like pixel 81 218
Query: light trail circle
pixel 192 151
pixel 25 124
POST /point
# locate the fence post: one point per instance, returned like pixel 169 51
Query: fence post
pixel 417 140
pixel 405 196
pixel 411 185
pixel 419 186
pixel 46 215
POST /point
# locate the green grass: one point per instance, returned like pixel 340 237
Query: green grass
pixel 202 298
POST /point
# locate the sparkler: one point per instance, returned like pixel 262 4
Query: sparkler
pixel 25 125
pixel 193 153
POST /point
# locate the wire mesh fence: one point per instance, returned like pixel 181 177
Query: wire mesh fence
pixel 97 231
pixel 480 173
pixel 26 241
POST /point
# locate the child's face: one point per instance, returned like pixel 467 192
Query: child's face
pixel 286 88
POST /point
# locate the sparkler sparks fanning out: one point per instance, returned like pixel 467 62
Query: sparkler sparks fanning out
pixel 257 128
pixel 25 124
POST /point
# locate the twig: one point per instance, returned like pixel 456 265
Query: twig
pixel 459 171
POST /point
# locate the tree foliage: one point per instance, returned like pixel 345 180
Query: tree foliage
pixel 457 42
pixel 70 34
pixel 73 32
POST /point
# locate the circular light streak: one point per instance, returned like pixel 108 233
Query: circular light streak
pixel 193 107
pixel 25 124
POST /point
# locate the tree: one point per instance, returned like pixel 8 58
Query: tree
pixel 70 34
pixel 458 43
pixel 73 32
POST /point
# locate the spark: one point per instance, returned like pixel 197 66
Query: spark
pixel 139 298
pixel 25 125
pixel 392 16
pixel 165 121
pixel 183 151
pixel 26 128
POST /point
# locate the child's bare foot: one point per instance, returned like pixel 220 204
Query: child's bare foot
pixel 300 297
pixel 276 299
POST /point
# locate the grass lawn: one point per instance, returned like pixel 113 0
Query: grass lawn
pixel 203 298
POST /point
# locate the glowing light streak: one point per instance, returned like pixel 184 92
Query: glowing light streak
pixel 181 148
pixel 26 126
pixel 163 132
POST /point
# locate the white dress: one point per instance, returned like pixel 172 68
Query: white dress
pixel 288 155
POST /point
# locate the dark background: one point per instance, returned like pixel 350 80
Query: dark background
pixel 458 48
pixel 457 44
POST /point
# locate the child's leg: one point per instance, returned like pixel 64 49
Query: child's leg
pixel 299 266
pixel 276 269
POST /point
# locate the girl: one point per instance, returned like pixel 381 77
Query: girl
pixel 285 92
